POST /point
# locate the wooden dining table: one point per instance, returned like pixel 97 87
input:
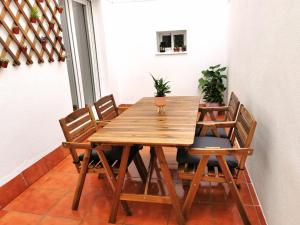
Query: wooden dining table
pixel 142 124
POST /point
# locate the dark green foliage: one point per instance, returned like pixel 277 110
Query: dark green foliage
pixel 161 86
pixel 212 84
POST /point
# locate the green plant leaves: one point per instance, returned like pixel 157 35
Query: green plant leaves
pixel 161 86
pixel 212 84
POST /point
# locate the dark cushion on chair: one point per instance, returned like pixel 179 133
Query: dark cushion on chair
pixel 209 133
pixel 202 142
pixel 114 154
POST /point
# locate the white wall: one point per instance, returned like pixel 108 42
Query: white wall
pixel 32 99
pixel 264 59
pixel 130 35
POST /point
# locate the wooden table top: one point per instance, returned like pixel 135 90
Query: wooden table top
pixel 142 124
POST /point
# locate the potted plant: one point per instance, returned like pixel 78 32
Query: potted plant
pixel 184 48
pixel 51 24
pixel 34 14
pixel 176 49
pixel 59 38
pixel 162 47
pixel 15 29
pixel 23 49
pixel 43 41
pixel 212 85
pixel 3 62
pixel 162 88
pixel 60 9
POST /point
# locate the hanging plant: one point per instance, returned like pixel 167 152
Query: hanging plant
pixel 60 9
pixel 34 14
pixel 43 41
pixel 15 29
pixel 51 25
pixel 23 49
pixel 59 38
pixel 4 62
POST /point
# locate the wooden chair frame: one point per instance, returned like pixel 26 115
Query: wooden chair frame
pixel 106 108
pixel 231 112
pixel 242 136
pixel 77 127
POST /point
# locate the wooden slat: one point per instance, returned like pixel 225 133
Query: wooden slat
pixel 142 124
pixel 79 122
pixel 146 198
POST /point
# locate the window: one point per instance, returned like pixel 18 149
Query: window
pixel 171 41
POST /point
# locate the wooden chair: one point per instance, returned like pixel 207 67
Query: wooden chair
pixel 217 159
pixel 77 127
pixel 213 128
pixel 106 108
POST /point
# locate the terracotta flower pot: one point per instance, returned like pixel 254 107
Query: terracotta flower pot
pixel 33 20
pixel 43 43
pixel 51 25
pixel 160 102
pixel 16 30
pixel 60 9
pixel 23 49
pixel 4 64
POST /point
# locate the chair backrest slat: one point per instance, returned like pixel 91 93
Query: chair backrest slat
pixel 106 108
pixel 233 106
pixel 78 123
pixel 245 127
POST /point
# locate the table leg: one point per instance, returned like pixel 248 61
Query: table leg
pixel 169 183
pixel 194 186
pixel 140 166
pixel 81 179
pixel 234 189
pixel 120 182
pixel 111 178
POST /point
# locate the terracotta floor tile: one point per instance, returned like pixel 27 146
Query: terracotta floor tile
pixel 252 214
pixel 35 201
pixel 260 215
pixel 63 207
pixel 226 214
pixel 57 181
pixel 66 166
pixel 253 194
pixel 16 218
pixel 199 214
pixel 2 213
pixel 58 221
pixel 34 172
pixel 147 213
pixel 101 209
pixel 12 189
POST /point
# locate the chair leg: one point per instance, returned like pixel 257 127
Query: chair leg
pixel 140 166
pixel 234 189
pixel 81 179
pixel 194 186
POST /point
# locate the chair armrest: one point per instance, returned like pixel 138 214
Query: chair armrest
pixel 220 151
pixel 211 109
pixel 77 145
pixel 218 124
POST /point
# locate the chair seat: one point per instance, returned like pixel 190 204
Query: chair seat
pixel 201 142
pixel 113 155
pixel 209 133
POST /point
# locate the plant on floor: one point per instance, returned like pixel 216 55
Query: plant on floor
pixel 212 84
pixel 162 88
pixel 34 14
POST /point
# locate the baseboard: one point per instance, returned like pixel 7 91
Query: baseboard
pixel 23 180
